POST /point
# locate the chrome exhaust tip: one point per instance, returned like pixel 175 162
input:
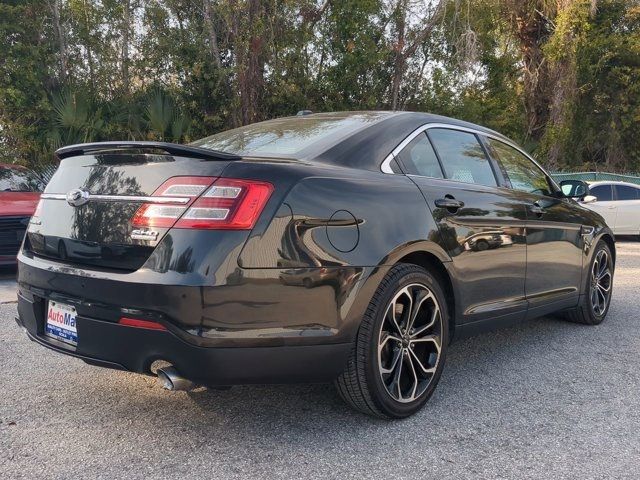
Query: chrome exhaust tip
pixel 171 380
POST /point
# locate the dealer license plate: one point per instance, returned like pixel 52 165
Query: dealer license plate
pixel 61 323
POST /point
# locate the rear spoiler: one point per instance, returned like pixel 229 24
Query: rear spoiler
pixel 171 148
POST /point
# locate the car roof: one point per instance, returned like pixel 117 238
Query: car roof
pixel 611 182
pixel 367 148
pixel 354 139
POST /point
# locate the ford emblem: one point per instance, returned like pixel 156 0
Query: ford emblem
pixel 77 197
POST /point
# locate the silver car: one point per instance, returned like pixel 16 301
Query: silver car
pixel 618 203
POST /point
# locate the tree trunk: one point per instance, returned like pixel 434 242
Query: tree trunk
pixel 212 34
pixel 399 61
pixel 61 38
pixel 532 29
pixel 92 78
pixel 249 49
pixel 126 29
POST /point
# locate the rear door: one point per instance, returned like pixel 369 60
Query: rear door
pixel 627 199
pixel 554 232
pixel 480 223
pixel 102 232
pixel 605 204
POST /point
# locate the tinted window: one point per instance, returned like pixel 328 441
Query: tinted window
pixel 14 179
pixel 602 192
pixel 523 174
pixel 625 192
pixel 420 158
pixel 462 156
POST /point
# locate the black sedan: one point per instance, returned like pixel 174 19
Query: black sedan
pixel 346 247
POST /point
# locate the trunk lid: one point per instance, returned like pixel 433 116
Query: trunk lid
pixel 98 232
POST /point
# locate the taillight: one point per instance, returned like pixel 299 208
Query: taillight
pixel 166 214
pixel 228 204
pixel 225 203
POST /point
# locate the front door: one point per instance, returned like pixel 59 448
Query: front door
pixel 554 233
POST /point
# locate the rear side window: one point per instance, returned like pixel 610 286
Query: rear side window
pixel 523 174
pixel 419 157
pixel 625 192
pixel 462 156
pixel 602 192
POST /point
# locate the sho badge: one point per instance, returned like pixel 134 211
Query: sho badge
pixel 144 235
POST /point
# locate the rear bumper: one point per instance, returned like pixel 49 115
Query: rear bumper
pixel 111 345
pixel 246 326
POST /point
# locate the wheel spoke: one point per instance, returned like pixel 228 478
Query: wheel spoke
pixel 387 338
pixel 595 301
pixel 391 313
pixel 406 311
pixel 432 321
pixel 602 263
pixel 421 297
pixel 414 389
pixel 424 369
pixel 396 377
pixel 605 278
pixel 435 339
pixel 396 355
pixel 602 300
pixel 604 291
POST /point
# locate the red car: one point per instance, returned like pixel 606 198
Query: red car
pixel 20 190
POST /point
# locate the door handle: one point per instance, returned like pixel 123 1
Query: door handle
pixel 449 203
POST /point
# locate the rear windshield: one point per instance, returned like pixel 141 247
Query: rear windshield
pixel 14 179
pixel 287 137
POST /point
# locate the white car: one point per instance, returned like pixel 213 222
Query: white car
pixel 618 203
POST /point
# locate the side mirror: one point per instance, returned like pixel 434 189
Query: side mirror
pixel 574 188
pixel 589 199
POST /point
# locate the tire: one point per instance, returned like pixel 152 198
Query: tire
pixel 592 310
pixel 397 379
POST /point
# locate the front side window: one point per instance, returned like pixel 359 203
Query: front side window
pixel 523 174
pixel 419 157
pixel 625 192
pixel 462 156
pixel 603 193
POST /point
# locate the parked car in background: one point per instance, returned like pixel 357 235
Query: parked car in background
pixel 619 205
pixel 347 247
pixel 20 190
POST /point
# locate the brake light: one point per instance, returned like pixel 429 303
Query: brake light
pixel 229 204
pixel 166 214
pixel 137 323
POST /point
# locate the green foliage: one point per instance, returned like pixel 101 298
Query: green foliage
pixel 176 70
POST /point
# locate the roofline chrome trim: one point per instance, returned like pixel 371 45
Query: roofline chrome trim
pixel 385 167
pixel 121 198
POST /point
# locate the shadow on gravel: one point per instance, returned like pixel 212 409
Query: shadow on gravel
pixel 484 378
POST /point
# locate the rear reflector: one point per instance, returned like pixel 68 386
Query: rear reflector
pixel 134 322
pixel 223 203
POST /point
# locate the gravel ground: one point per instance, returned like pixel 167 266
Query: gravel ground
pixel 543 399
